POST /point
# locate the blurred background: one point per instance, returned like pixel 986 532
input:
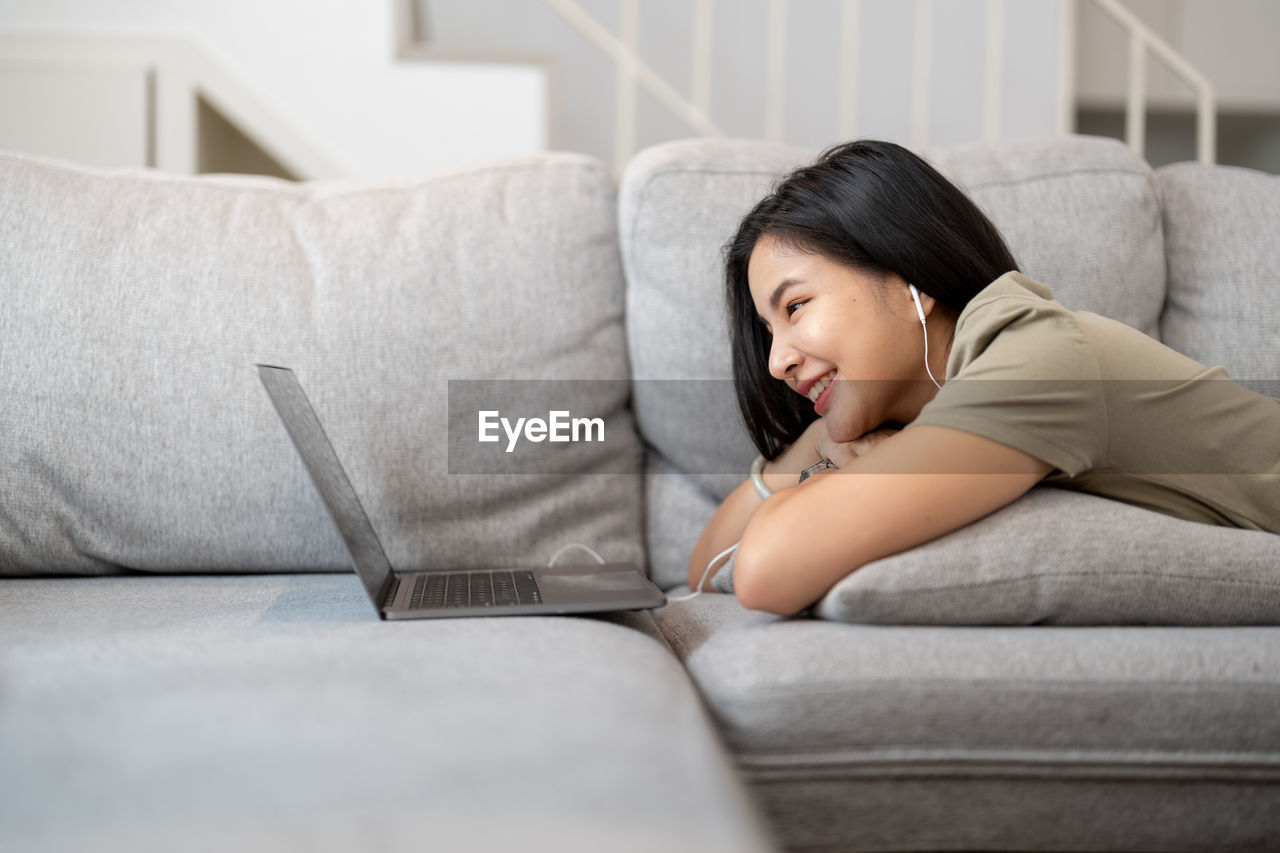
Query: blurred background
pixel 324 88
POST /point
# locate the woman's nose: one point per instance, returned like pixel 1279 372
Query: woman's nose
pixel 782 358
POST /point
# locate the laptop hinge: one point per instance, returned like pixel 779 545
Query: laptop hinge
pixel 391 587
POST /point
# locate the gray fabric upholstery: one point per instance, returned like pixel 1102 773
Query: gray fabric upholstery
pixel 276 713
pixel 135 433
pixel 1056 557
pixel 874 737
pixel 680 202
pixel 1220 226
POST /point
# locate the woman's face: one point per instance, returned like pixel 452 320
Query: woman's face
pixel 831 321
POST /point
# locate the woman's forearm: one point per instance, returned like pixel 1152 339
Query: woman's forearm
pixel 724 529
pixel 730 520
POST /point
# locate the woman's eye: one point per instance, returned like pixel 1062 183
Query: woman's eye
pixel 794 305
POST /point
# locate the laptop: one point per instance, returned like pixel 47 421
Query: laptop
pixel 437 593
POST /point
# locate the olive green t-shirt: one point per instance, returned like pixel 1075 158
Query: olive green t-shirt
pixel 1116 412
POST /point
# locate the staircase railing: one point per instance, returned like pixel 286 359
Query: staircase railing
pixel 182 68
pixel 1144 40
pixel 695 109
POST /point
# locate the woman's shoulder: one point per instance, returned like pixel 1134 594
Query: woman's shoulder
pixel 1012 292
pixel 1014 311
pixel 1015 326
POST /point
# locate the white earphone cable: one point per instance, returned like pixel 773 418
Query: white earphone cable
pixel 552 561
pixel 703 579
pixel 926 353
pixel 915 295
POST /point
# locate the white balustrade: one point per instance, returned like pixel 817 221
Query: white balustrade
pixel 695 110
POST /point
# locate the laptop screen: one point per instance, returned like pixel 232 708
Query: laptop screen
pixel 329 477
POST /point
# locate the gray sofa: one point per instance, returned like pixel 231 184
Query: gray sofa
pixel 187 661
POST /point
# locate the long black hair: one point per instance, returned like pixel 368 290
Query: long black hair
pixel 875 207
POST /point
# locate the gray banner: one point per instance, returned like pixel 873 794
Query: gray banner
pixel 574 427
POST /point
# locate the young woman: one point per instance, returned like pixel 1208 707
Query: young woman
pixel 880 327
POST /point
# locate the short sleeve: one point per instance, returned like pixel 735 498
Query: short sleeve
pixel 1022 372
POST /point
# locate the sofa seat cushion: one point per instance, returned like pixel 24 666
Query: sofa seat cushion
pixel 680 202
pixel 993 738
pixel 275 712
pixel 136 435
pixel 1220 227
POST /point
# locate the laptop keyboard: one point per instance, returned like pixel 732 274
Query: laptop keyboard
pixel 474 589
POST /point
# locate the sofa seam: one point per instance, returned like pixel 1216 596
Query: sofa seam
pixel 1133 173
pixel 1024 579
pixel 306 188
pixel 1015 685
pixel 640 192
pixel 889 753
pixel 1062 763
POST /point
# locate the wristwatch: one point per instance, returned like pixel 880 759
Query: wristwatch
pixel 821 465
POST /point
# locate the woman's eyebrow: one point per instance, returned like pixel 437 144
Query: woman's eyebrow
pixel 776 297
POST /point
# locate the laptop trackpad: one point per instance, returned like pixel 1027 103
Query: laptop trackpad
pixel 591 586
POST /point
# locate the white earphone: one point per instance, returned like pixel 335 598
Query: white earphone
pixel 915 294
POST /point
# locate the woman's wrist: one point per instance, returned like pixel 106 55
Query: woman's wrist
pixel 784 472
pixel 781 473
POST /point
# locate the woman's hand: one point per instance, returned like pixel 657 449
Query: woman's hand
pixel 844 452
pixel 813 444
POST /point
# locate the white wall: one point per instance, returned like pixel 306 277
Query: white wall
pixel 95 115
pixel 328 68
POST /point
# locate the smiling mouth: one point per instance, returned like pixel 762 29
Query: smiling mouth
pixel 818 387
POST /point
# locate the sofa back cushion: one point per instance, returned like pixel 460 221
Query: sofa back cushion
pixel 1220 227
pixel 135 433
pixel 1081 214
